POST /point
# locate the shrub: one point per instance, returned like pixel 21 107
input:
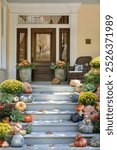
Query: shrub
pixel 87 98
pixel 11 87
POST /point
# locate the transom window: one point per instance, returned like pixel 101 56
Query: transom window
pixel 37 19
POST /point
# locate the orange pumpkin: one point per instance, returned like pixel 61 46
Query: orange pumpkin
pixel 6 120
pixel 27 88
pixel 21 106
pixel 80 141
pixel 28 118
pixel 79 107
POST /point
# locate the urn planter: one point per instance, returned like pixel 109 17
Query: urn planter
pixel 25 75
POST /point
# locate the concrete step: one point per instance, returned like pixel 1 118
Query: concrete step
pixel 50 115
pixel 52 88
pixel 53 125
pixel 53 137
pixel 64 96
pixel 51 147
pixel 51 105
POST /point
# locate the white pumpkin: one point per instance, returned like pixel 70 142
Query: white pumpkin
pixel 15 99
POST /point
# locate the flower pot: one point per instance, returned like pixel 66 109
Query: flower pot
pixel 60 74
pixel 25 75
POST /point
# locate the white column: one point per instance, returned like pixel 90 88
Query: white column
pixel 12 47
pixel 57 44
pixel 29 45
pixel 74 33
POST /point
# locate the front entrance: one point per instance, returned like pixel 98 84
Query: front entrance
pixel 43 46
pixel 39 46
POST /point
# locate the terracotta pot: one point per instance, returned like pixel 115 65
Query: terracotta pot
pixel 1 141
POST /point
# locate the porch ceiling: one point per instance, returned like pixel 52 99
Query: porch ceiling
pixel 54 1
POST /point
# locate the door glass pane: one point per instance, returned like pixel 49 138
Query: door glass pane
pixel 42 47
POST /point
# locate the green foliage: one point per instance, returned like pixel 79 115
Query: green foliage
pixel 88 87
pixel 25 64
pixel 11 87
pixel 87 98
pixel 6 110
pixel 91 78
pixel 16 116
pixel 6 97
pixel 28 128
pixel 96 126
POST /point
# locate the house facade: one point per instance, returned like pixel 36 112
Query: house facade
pixel 44 33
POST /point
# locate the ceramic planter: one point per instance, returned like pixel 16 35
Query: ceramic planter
pixel 60 74
pixel 25 75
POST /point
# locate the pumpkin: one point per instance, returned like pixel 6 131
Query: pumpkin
pixel 56 81
pixel 28 118
pixel 90 112
pixel 30 98
pixel 6 120
pixel 74 83
pixel 26 98
pixel 15 99
pixel 95 141
pixel 22 132
pixel 21 106
pixel 76 117
pixel 85 126
pixel 80 141
pixel 79 107
pixel 5 144
pixel 17 141
pixel 74 97
pixel 27 87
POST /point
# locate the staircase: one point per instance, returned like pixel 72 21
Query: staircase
pixel 52 128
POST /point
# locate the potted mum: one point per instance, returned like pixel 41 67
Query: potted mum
pixel 25 68
pixel 60 70
pixel 5 130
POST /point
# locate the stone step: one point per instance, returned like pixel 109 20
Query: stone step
pixel 64 96
pixel 53 125
pixel 53 137
pixel 51 147
pixel 52 88
pixel 50 115
pixel 51 105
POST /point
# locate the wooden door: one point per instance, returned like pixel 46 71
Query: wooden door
pixel 43 45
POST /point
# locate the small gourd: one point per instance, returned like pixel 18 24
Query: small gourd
pixel 85 126
pixel 21 106
pixel 15 99
pixel 5 144
pixel 76 117
pixel 17 141
pixel 95 141
pixel 74 97
pixel 80 141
